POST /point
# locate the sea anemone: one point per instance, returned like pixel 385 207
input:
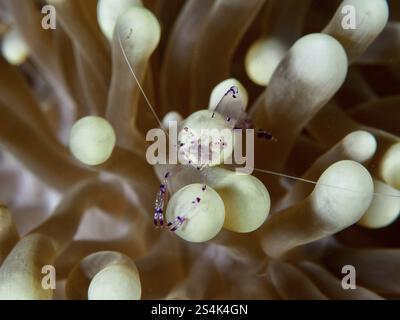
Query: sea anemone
pixel 78 193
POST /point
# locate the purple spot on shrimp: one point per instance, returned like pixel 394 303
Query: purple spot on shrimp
pixel 174 225
pixel 264 134
pixel 163 189
pixel 234 91
pixel 198 199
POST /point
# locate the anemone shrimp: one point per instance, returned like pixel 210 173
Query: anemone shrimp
pixel 229 114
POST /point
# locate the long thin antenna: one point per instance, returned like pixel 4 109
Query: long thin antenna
pixel 323 184
pixel 284 176
pixel 137 81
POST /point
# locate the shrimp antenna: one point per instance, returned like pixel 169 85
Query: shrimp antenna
pixel 322 184
pixel 137 81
